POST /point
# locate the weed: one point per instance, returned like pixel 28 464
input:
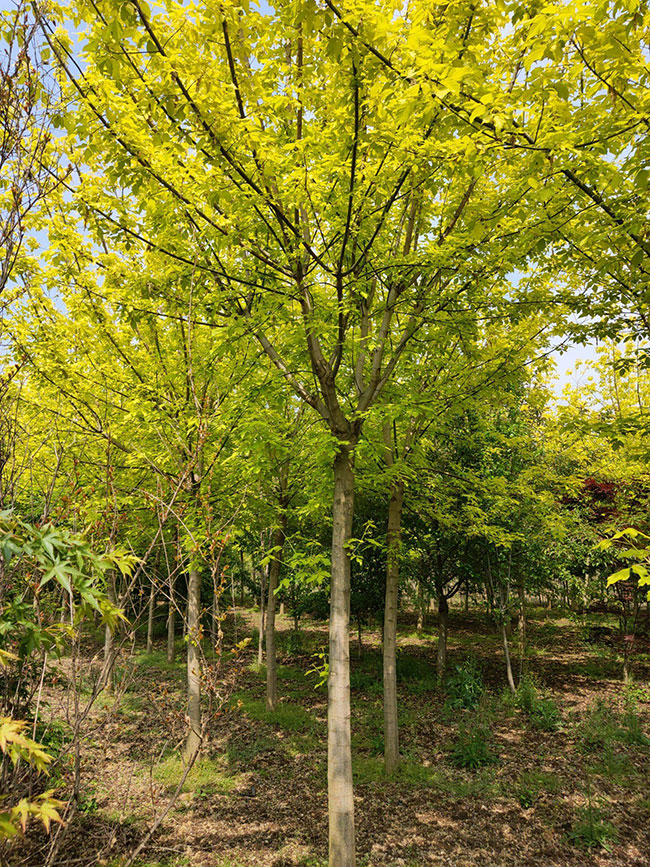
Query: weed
pixel 541 710
pixel 471 749
pixel 88 804
pixel 631 731
pixel 292 643
pixel 480 784
pixel 532 785
pixel 158 659
pixel 592 829
pixel 635 692
pixel 599 727
pixel 367 770
pixel 53 735
pixel 614 766
pixel 464 687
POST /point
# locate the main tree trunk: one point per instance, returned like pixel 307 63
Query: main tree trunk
pixel 339 775
pixel 391 732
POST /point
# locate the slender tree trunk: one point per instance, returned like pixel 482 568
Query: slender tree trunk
pixel 171 622
pixel 279 535
pixel 521 624
pixel 282 608
pixel 506 652
pixel 504 592
pixel 152 606
pixel 443 627
pixel 109 640
pixel 489 594
pixel 193 663
pixel 466 605
pixel 421 605
pixel 214 614
pixel 393 537
pixel 339 752
pixel 261 635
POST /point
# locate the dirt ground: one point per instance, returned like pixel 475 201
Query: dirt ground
pixel 576 792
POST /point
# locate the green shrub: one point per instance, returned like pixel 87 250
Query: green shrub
pixel 464 686
pixel 471 749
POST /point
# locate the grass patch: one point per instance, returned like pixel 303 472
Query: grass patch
pixel 206 776
pixel 289 716
pixel 158 659
pixel 413 668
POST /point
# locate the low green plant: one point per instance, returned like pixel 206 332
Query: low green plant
pixel 614 766
pixel 599 727
pixel 592 829
pixel 88 804
pixel 603 724
pixel 631 730
pixel 53 736
pixel 635 692
pixel 532 785
pixel 289 716
pixel 542 712
pixel 412 667
pixel 464 687
pixel 294 644
pixel 472 748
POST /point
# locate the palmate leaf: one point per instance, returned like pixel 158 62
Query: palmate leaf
pixel 44 808
pixel 621 575
pixel 16 745
pixel 638 570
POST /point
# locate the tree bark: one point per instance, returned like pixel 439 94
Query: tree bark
pixel 339 752
pixel 279 535
pixel 393 537
pixel 193 663
pixel 443 627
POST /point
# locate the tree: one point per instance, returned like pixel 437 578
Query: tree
pixel 343 186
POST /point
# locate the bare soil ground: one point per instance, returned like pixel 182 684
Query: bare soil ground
pixel 575 791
